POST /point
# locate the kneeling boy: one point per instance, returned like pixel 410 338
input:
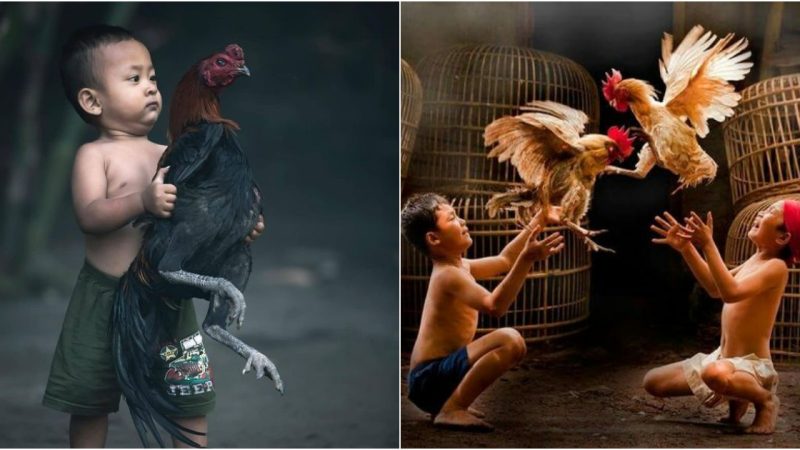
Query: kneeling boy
pixel 448 369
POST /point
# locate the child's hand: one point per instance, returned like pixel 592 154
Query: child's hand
pixel 701 233
pixel 673 233
pixel 158 197
pixel 536 250
pixel 257 230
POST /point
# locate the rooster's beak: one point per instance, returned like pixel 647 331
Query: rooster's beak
pixel 244 71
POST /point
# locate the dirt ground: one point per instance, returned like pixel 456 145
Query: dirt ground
pixel 586 396
pixel 304 326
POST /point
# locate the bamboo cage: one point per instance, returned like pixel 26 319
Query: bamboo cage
pixel 553 302
pixel 410 113
pixel 762 141
pixel 466 88
pixel 785 343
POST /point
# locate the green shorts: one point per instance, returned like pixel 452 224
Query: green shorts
pixel 82 378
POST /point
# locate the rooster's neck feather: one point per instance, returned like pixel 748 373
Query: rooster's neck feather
pixel 194 102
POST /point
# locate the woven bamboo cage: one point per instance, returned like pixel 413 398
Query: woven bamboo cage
pixel 785 343
pixel 553 302
pixel 410 113
pixel 762 141
pixel 466 88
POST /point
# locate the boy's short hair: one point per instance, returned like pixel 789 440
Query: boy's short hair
pixel 78 62
pixel 419 217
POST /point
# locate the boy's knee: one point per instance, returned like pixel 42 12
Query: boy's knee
pixel 653 384
pixel 716 375
pixel 515 343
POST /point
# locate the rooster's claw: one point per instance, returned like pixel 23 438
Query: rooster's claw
pixel 263 366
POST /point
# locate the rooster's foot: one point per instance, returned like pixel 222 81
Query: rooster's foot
pixel 595 247
pixel 236 307
pixel 593 233
pixel 263 366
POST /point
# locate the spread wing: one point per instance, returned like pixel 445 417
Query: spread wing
pixel 697 76
pixel 536 140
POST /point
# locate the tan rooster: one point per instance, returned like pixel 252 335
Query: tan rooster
pixel 696 76
pixel 557 162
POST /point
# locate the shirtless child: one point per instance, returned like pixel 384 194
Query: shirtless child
pixel 110 80
pixel 740 370
pixel 448 369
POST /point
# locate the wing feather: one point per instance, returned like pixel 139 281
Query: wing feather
pixel 535 140
pixel 697 76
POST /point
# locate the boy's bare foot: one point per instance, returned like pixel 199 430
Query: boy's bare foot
pixel 471 410
pixel 766 416
pixel 462 420
pixel 736 409
pixel 476 413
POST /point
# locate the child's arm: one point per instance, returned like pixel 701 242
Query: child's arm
pixel 98 214
pixel 491 266
pixel 496 303
pixel 677 237
pixel 732 290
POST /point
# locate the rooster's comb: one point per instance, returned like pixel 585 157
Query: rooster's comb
pixel 610 84
pixel 235 52
pixel 624 143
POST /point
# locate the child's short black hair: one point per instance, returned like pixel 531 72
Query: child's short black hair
pixel 77 64
pixel 419 217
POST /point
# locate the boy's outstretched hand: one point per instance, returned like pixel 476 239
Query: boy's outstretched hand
pixel 536 250
pixel 672 233
pixel 701 233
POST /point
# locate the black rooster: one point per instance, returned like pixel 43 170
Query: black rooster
pixel 199 252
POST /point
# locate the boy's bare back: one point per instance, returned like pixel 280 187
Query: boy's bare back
pixel 112 169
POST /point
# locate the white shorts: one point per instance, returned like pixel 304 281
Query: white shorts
pixel 760 368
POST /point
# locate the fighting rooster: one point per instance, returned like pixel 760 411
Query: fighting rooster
pixel 199 252
pixel 558 164
pixel 696 76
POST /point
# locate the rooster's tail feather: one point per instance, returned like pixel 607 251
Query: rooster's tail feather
pixel 135 330
pixel 512 198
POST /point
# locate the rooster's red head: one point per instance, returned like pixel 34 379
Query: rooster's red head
pixel 624 142
pixel 220 69
pixel 616 97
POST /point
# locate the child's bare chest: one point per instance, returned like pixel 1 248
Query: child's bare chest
pixel 747 268
pixel 128 172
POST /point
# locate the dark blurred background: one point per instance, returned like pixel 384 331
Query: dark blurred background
pixel 319 124
pixel 644 290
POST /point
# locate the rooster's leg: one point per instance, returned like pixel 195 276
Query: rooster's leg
pixel 217 286
pixel 647 160
pixel 214 326
pixel 586 234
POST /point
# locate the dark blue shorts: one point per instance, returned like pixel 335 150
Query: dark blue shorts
pixel 432 382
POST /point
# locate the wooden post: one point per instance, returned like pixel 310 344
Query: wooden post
pixel 771 36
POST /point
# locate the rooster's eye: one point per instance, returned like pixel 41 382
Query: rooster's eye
pixel 221 62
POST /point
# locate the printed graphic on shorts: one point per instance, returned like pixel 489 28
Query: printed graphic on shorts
pixel 188 372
